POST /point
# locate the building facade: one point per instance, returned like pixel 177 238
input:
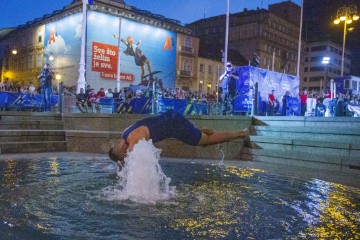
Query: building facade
pixel 171 49
pixel 318 73
pixel 273 34
pixel 208 72
pixel 187 53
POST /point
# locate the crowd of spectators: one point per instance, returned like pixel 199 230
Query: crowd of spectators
pixel 17 87
pixel 337 106
pixel 87 100
pixel 7 86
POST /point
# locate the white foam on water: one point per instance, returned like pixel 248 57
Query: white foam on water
pixel 141 179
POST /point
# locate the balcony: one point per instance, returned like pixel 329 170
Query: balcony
pixel 186 49
pixel 185 73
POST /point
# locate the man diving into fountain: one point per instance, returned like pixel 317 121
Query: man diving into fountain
pixel 169 125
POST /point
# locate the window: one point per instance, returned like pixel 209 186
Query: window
pixel 210 69
pixel 318 48
pixel 316 59
pixel 39 60
pixel 306 69
pixel 188 42
pixel 316 69
pixel 201 68
pixel 315 79
pixel 305 79
pixel 354 85
pixel 306 59
pixel 39 36
pixel 208 87
pixel 187 66
pixel 30 61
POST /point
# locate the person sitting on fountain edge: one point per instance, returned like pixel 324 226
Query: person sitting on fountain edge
pixel 169 125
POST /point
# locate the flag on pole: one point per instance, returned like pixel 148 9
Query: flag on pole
pixel 90 2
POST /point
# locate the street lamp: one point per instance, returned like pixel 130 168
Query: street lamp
pixel 14 51
pixel 58 77
pixel 345 14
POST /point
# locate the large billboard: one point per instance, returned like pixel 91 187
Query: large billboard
pixel 62 47
pixel 147 53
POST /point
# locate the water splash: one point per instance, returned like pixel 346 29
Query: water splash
pixel 221 164
pixel 142 179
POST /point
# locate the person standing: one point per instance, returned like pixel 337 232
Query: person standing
pixel 228 82
pixel 271 101
pixel 284 103
pixel 46 77
pixel 303 100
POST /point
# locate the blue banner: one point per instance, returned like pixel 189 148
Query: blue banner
pixel 144 106
pixel 24 101
pixel 182 106
pixel 267 80
pixel 293 106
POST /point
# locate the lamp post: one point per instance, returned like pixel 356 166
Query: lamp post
pixel 325 61
pixel 227 33
pixel 60 93
pixel 345 14
pixel 58 78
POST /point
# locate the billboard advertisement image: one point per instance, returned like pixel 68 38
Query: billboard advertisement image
pixel 147 53
pixel 62 47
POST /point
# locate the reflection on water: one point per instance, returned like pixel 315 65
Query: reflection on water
pixel 61 198
pixel 332 217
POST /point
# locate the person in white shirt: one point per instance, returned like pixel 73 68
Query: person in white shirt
pixel 32 90
pixel 109 94
pixel 1 86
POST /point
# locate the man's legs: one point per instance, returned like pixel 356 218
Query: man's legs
pixel 231 100
pixel 47 99
pixel 142 73
pixel 220 137
pixel 225 99
pixel 148 65
pixel 303 109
